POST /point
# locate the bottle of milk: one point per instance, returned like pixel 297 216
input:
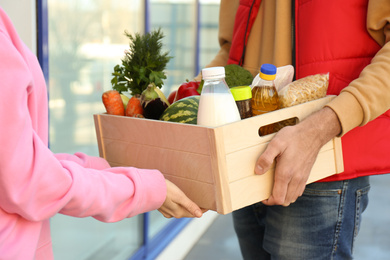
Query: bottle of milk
pixel 216 105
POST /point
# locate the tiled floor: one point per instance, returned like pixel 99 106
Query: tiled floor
pixel 220 242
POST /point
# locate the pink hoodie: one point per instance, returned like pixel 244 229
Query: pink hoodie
pixel 36 184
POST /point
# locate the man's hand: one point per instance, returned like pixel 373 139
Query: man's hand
pixel 178 205
pixel 295 149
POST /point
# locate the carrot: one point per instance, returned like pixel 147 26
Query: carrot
pixel 113 103
pixel 134 107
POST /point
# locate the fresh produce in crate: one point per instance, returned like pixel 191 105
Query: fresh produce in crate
pixel 153 102
pixel 184 110
pixel 134 107
pixel 113 103
pixel 187 89
pixel 125 100
pixel 171 97
pixel 144 63
pixel 236 75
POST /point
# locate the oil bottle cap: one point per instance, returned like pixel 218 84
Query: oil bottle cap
pixel 241 92
pixel 213 73
pixel 267 71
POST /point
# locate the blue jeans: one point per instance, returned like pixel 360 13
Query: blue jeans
pixel 321 224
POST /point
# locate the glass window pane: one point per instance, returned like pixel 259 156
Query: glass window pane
pixel 179 24
pixel 88 238
pixel 209 46
pixel 86 40
pixel 156 222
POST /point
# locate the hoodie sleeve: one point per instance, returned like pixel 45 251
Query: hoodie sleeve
pixel 84 160
pixel 35 183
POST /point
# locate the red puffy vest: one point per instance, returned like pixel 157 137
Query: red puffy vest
pixel 331 36
pixel 245 16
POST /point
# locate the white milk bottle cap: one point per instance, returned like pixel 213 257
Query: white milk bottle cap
pixel 213 73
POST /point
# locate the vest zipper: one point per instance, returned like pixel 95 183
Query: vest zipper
pixel 241 61
pixel 293 38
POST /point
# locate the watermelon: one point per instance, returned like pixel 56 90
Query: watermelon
pixel 182 111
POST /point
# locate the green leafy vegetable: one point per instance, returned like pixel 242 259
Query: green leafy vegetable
pixel 144 63
pixel 236 75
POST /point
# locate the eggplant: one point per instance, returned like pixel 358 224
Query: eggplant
pixel 153 102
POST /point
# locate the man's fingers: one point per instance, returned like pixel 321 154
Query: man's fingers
pixel 286 190
pixel 267 158
pixel 279 190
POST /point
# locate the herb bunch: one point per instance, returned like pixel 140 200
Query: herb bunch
pixel 144 63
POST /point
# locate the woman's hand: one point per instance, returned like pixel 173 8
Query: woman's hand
pixel 178 205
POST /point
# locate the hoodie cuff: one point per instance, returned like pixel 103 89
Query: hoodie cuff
pixel 154 190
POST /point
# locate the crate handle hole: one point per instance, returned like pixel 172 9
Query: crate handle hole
pixel 275 127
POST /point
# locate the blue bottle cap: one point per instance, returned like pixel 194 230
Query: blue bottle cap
pixel 268 69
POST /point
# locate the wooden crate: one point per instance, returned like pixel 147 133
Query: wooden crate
pixel 213 166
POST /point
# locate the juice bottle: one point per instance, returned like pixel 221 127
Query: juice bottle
pixel 216 105
pixel 264 95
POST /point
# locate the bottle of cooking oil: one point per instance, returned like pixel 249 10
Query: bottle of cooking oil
pixel 264 95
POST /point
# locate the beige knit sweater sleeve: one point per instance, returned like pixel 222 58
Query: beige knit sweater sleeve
pixel 227 14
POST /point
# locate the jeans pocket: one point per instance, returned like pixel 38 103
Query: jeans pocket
pixel 361 205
